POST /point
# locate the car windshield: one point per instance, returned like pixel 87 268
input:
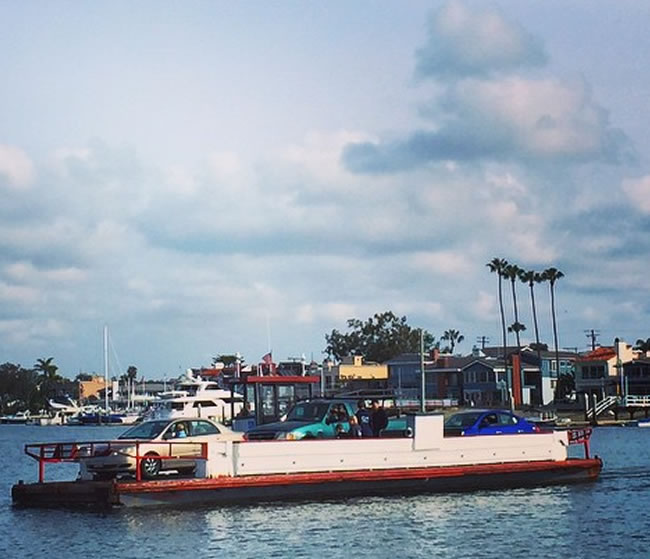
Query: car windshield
pixel 308 411
pixel 146 430
pixel 462 419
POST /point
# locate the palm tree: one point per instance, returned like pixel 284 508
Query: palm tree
pixel 48 378
pixel 132 373
pixel 497 265
pixel 516 327
pixel 552 275
pixel 642 345
pixel 129 382
pixel 531 277
pixel 453 337
pixel 511 272
pixel 47 368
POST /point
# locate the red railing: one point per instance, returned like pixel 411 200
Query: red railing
pixel 45 453
pixel 580 436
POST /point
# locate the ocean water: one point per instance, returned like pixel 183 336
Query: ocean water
pixel 606 519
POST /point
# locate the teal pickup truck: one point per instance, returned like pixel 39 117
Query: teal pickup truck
pixel 317 419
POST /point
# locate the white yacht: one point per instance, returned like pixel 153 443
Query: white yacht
pixel 195 397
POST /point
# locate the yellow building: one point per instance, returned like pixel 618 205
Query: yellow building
pixel 91 388
pixel 353 368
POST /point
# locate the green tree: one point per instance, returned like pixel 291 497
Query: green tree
pixel 378 339
pixel 49 381
pixel 642 345
pixel 516 327
pixel 132 373
pixel 18 389
pixel 551 275
pixel 228 360
pixel 497 266
pixel 566 384
pixel 454 337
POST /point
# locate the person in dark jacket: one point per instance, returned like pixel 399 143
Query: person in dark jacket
pixel 379 419
pixel 364 418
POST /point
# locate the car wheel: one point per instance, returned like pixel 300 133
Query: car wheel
pixel 309 436
pixel 150 466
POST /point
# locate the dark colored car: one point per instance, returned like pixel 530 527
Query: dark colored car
pixel 487 422
pixel 307 420
pixel 320 419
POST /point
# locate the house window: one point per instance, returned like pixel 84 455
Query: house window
pixel 594 372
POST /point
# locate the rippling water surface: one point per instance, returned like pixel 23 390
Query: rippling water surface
pixel 606 519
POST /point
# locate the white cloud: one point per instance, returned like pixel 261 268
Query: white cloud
pixel 337 313
pixel 638 191
pixel 19 294
pixel 38 333
pixel 15 167
pixel 63 158
pixel 465 41
pixel 26 272
pixel 485 305
pixel 441 263
pixel 544 117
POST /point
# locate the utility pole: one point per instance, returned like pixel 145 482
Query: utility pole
pixel 482 340
pixel 593 336
pixel 105 370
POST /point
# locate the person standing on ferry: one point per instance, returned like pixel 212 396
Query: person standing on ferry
pixel 364 418
pixel 379 419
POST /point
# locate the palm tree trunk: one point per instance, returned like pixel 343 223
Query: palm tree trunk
pixel 532 302
pixel 503 332
pixel 514 304
pixel 555 340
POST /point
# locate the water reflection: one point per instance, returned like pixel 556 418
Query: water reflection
pixel 595 521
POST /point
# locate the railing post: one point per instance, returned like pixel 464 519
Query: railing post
pixel 138 473
pixel 41 465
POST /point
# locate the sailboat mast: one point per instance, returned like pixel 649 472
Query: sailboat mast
pixel 106 368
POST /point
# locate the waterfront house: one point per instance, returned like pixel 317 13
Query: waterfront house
pixel 550 373
pixel 599 372
pixel 636 374
pixel 405 376
pixel 480 378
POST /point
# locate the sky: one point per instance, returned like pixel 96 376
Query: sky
pixel 207 178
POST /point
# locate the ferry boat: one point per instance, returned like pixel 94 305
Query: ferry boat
pixel 238 472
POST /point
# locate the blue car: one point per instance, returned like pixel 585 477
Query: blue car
pixel 487 422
